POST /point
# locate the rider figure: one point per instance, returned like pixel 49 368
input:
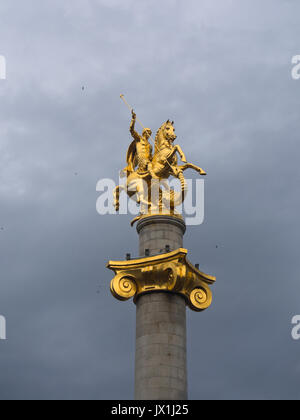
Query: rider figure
pixel 140 150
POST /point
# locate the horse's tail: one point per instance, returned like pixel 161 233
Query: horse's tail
pixel 117 197
pixel 183 186
pixel 177 198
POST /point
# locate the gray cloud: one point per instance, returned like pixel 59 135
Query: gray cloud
pixel 222 71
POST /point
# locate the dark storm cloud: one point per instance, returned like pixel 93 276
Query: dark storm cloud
pixel 222 71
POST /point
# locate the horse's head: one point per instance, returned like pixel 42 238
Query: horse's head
pixel 166 133
pixel 169 131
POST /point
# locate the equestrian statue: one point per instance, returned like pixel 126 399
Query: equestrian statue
pixel 147 173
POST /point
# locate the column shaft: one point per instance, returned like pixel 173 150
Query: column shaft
pixel 160 362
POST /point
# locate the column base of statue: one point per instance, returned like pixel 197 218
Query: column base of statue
pixel 162 282
pixel 160 358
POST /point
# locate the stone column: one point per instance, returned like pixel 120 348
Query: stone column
pixel 160 360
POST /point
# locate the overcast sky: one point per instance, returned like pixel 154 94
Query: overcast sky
pixel 222 70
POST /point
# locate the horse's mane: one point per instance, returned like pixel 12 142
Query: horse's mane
pixel 159 132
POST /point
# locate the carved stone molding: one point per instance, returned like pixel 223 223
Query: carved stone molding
pixel 171 272
pixel 175 220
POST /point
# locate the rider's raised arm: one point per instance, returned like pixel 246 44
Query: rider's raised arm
pixel 134 133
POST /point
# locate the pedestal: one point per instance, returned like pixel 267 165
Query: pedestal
pixel 160 358
pixel 162 282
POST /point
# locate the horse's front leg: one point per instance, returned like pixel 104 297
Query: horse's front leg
pixel 182 155
pixel 191 166
pixel 176 149
pixel 171 154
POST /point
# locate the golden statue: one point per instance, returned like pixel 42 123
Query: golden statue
pixel 147 172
